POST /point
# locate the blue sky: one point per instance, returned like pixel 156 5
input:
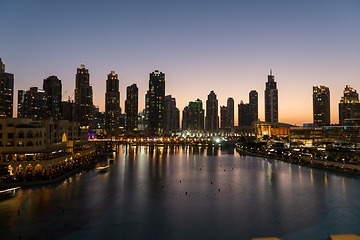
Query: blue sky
pixel 225 46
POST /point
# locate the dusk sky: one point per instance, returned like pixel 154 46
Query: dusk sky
pixel 225 46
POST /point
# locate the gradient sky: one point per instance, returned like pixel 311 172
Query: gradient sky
pixel 225 46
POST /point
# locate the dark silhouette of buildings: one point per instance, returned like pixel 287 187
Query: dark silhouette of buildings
pixel 193 116
pixel 172 115
pixel 212 116
pixel 53 89
pixel 112 105
pixel 156 95
pixel 230 113
pixel 131 108
pixel 223 117
pixel 271 100
pixel 349 106
pixel 84 107
pixel 21 95
pixel 321 106
pixel 6 91
pixel 68 110
pixel 248 112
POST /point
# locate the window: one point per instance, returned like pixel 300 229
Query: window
pixel 20 143
pixel 10 135
pixel 0 126
pixel 21 134
pixel 29 134
pixel 0 135
pixel 29 143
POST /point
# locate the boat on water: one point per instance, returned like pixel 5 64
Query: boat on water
pixel 7 193
pixel 103 168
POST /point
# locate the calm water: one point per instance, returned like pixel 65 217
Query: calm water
pixel 186 193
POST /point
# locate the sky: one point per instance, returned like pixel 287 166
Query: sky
pixel 225 46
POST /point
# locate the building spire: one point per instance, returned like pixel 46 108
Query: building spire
pixel 270 72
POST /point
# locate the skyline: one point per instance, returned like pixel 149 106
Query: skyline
pixel 226 47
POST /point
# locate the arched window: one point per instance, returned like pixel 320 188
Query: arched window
pixel 20 143
pixel 29 143
pixel 29 134
pixel 21 134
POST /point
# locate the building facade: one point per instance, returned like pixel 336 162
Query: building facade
pixel 172 115
pixel 253 101
pixel 84 107
pixel 131 108
pixel 112 104
pixel 321 106
pixel 212 116
pixel 35 104
pixel 223 117
pixel 271 100
pixel 156 95
pixel 230 113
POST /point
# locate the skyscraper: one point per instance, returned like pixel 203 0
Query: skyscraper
pixel 223 117
pixel 349 106
pixel 131 108
pixel 156 102
pixel 321 106
pixel 185 123
pixel 112 104
pixel 6 91
pixel 253 101
pixel 84 107
pixel 230 112
pixel 271 100
pixel 53 89
pixel 172 114
pixel 35 104
pixel 212 116
pixel 244 114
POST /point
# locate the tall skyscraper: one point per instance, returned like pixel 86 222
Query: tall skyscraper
pixel 230 112
pixel 35 104
pixel 156 102
pixel 172 115
pixel 223 117
pixel 321 106
pixel 84 107
pixel 271 100
pixel 53 89
pixel 21 95
pixel 349 106
pixel 212 116
pixel 6 91
pixel 112 104
pixel 67 108
pixel 244 114
pixel 253 101
pixel 131 108
pixel 185 123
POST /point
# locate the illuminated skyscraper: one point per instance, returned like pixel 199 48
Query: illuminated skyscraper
pixel 349 106
pixel 112 104
pixel 6 91
pixel 193 116
pixel 271 100
pixel 230 113
pixel 131 108
pixel 321 106
pixel 53 89
pixel 172 115
pixel 156 94
pixel 212 116
pixel 84 107
pixel 35 104
pixel 21 95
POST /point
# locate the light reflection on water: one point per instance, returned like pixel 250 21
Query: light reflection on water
pixel 174 192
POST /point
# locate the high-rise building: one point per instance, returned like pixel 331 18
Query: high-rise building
pixel 67 108
pixel 321 106
pixel 253 101
pixel 35 104
pixel 21 95
pixel 349 106
pixel 244 114
pixel 53 89
pixel 185 123
pixel 84 107
pixel 193 116
pixel 271 100
pixel 223 117
pixel 156 102
pixel 6 91
pixel 131 108
pixel 112 104
pixel 212 116
pixel 172 115
pixel 230 112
